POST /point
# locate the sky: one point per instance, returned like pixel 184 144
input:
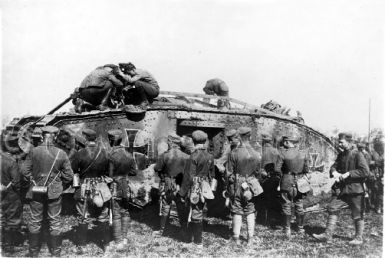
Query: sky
pixel 324 58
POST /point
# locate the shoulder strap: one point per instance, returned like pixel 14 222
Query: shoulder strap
pixel 93 160
pixel 50 171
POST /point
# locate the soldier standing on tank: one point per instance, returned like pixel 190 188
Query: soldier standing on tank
pixel 243 165
pixel 170 166
pixel 271 197
pixel 121 167
pixel 11 206
pixel 46 165
pixel 199 171
pixel 91 163
pixel 350 170
pixel 294 184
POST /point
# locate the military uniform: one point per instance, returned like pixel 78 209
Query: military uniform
pixel 170 166
pixel 349 189
pixel 294 165
pixel 271 197
pixel 243 170
pixel 199 171
pixel 47 166
pixel 378 187
pixel 11 207
pixel 91 163
pixel 121 167
pixel 97 86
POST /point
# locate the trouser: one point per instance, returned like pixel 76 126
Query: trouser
pixel 121 219
pixel 180 206
pixel 355 202
pixel 53 209
pixel 378 193
pixel 286 201
pixel 94 95
pixel 146 91
pixel 11 210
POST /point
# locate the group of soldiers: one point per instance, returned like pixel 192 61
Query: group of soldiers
pixel 100 179
pixel 115 86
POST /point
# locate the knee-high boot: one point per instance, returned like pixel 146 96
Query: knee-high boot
pixel 330 226
pixel 359 225
pixel 34 244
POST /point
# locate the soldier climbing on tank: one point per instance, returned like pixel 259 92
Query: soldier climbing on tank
pixel 121 167
pixel 196 186
pixel 243 173
pixel 170 167
pixel 47 169
pixel 217 87
pixel 142 85
pixel 350 171
pixel 294 185
pixel 93 195
pixel 96 89
pixel 11 206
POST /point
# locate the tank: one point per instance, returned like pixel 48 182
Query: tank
pixel 182 113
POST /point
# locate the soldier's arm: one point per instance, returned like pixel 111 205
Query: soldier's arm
pixel 306 165
pixel 362 168
pixel 132 169
pixel 15 176
pixel 67 174
pixel 278 165
pixel 212 168
pixel 159 166
pixel 26 173
pixel 115 80
pixel 230 165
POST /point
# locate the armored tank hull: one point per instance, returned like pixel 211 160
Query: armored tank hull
pixel 181 113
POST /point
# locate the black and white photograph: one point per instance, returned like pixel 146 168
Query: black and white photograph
pixel 206 128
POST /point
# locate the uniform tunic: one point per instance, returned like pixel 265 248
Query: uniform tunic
pixel 39 162
pixel 293 165
pixel 170 166
pixel 351 190
pixel 122 165
pixel 244 162
pixel 201 167
pixel 90 162
pixel 11 207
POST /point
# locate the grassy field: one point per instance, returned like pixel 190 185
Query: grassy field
pixel 216 240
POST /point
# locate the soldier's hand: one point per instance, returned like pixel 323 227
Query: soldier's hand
pixel 263 173
pixel 335 174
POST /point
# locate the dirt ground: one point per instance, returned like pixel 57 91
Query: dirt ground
pixel 216 241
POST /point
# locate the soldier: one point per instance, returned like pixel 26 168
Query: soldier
pixel 146 87
pixel 350 170
pixel 47 169
pixel 91 163
pixel 294 182
pixel 98 86
pixel 369 182
pixel 242 172
pixel 233 142
pixel 378 166
pixel 198 173
pixel 121 166
pixel 170 166
pixel 218 87
pixel 11 206
pixel 270 161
